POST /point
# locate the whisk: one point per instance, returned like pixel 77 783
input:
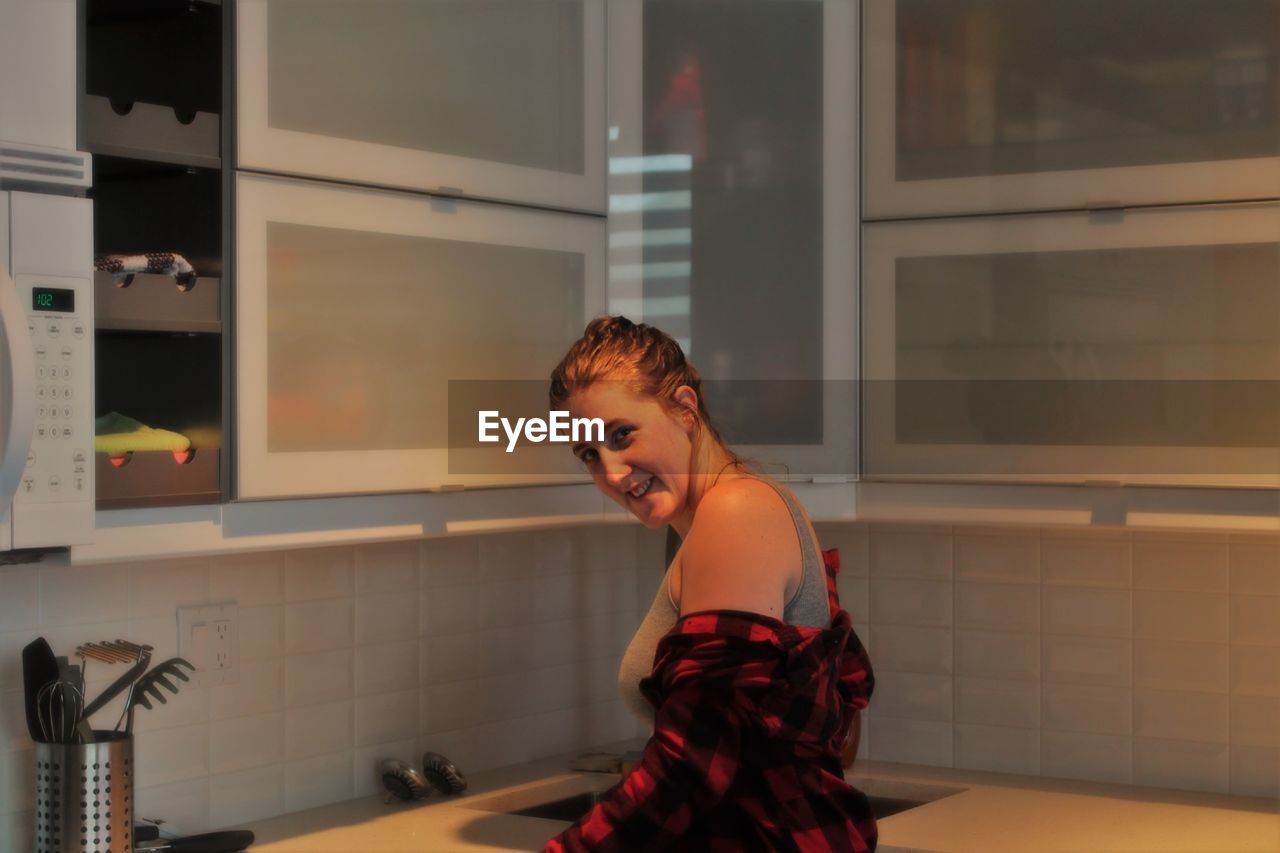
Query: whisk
pixel 59 705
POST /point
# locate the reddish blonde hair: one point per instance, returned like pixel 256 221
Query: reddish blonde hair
pixel 646 358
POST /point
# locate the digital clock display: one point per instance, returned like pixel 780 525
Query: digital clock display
pixel 56 299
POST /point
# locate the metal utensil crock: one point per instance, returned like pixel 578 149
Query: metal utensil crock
pixel 84 795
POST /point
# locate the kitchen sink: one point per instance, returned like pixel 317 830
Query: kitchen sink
pixel 567 808
pixel 569 798
pixel 571 808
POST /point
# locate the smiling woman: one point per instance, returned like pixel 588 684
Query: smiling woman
pixel 747 667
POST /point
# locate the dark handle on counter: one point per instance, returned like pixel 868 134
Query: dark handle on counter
pixel 231 841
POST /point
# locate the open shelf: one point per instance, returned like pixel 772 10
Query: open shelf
pixel 151 113
pixel 164 52
pixel 156 478
pixel 151 131
pixel 154 303
pixel 141 206
pixel 170 381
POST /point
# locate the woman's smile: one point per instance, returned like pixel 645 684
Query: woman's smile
pixel 640 490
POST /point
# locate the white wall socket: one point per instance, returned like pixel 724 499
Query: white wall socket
pixel 209 638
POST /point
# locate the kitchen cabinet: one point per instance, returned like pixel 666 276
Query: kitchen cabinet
pixel 151 113
pixel 364 317
pixel 733 214
pixel 983 106
pixel 496 99
pixel 38 47
pixel 1122 347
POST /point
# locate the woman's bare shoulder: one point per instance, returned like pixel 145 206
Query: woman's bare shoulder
pixel 741 552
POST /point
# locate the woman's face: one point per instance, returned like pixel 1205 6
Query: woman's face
pixel 643 462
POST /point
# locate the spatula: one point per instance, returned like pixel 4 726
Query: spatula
pixel 39 667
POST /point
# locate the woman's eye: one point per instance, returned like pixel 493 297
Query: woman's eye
pixel 621 433
pixel 587 456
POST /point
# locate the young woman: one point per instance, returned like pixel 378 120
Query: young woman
pixel 747 667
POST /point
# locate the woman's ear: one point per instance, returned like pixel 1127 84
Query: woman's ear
pixel 687 399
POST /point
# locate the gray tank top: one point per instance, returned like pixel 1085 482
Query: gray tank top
pixel 808 607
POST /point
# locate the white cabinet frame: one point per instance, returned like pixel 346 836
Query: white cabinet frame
pixel 840 312
pixel 262 147
pixel 886 243
pixel 262 200
pixel 888 198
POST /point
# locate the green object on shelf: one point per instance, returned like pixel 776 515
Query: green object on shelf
pixel 116 434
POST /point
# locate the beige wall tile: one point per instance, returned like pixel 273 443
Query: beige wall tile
pixel 1093 559
pixel 1101 661
pixel 910 552
pixel 318 781
pixel 1163 665
pixel 1255 720
pixel 1179 615
pixel 248 579
pixel 1255 771
pixel 1197 564
pixel 450 560
pixel 997 702
pixel 1092 757
pixel 246 742
pixel 1087 709
pixel 1255 566
pixel 1087 611
pixel 1255 620
pixel 1181 764
pixel 319 729
pixel 910 602
pixel 913 648
pixel 319 573
pixel 997 748
pixel 1255 671
pixel 911 741
pixel 997 654
pixel 1180 715
pixel 997 556
pixel 319 626
pixel 246 795
pixel 992 606
pixel 913 696
pixel 387 567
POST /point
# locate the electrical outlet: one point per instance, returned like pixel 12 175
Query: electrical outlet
pixel 209 638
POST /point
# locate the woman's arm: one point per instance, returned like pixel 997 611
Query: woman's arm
pixel 686 768
pixel 742 552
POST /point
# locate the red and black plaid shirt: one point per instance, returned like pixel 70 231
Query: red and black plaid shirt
pixel 751 714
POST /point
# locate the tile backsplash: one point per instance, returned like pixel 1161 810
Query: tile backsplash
pixel 1142 658
pixel 490 649
pixel 1133 657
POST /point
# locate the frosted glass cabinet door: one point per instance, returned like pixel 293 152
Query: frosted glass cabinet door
pixel 733 212
pixel 977 106
pixel 359 312
pixel 497 99
pixel 1133 348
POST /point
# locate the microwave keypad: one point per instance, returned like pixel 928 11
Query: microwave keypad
pixel 58 462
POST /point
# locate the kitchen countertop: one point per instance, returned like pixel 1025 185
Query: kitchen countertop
pixel 988 812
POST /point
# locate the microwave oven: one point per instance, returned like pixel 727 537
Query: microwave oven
pixel 46 350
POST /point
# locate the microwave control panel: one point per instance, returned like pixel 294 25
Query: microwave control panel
pixel 60 462
pixel 51 246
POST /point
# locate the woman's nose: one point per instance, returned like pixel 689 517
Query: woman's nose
pixel 616 471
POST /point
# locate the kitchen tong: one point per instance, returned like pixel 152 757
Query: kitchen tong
pixel 111 653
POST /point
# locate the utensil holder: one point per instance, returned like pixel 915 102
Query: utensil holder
pixel 84 795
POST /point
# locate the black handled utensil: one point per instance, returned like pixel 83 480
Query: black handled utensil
pixel 150 684
pixel 119 685
pixel 229 841
pixel 39 667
